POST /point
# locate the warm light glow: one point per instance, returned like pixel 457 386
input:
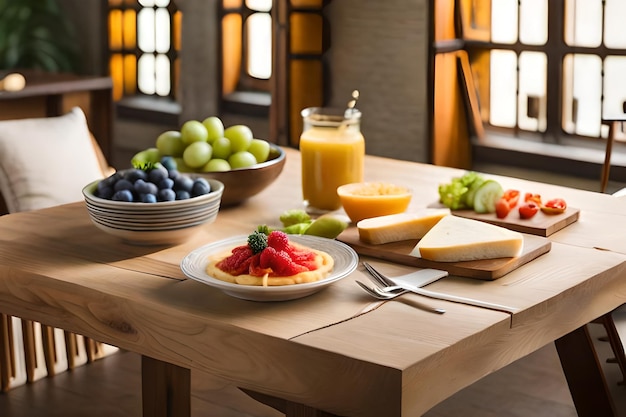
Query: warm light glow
pixel 145 73
pixel 162 30
pixel 130 74
pixel 146 30
pixel 259 5
pixel 503 91
pixel 115 29
pixel 116 66
pixel 259 31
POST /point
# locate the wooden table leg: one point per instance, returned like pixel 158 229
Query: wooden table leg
pixel 584 374
pixel 165 388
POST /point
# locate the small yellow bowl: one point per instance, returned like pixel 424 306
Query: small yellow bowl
pixel 364 200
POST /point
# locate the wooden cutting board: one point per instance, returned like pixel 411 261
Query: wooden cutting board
pixel 540 224
pixel 488 269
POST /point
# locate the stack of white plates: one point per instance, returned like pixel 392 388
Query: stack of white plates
pixel 167 222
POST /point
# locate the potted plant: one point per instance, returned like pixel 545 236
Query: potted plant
pixel 35 34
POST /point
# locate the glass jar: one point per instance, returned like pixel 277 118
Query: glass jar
pixel 332 150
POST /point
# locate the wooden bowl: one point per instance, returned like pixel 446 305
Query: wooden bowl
pixel 241 184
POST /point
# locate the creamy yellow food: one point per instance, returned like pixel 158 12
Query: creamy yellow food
pixel 323 260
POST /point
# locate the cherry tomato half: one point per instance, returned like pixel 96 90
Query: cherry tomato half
pixel 512 196
pixel 528 209
pixel 503 207
pixel 554 206
pixel 533 197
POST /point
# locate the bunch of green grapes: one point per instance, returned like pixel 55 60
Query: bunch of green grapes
pixel 207 147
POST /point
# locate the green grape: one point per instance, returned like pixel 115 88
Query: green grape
pixel 181 165
pixel 193 131
pixel 260 149
pixel 170 143
pixel 145 157
pixel 240 137
pixel 214 127
pixel 221 148
pixel 216 165
pixel 197 154
pixel 243 159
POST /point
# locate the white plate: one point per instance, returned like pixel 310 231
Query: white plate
pixel 346 261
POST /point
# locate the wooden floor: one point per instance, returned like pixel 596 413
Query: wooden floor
pixel 533 386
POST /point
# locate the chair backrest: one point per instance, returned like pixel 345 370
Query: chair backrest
pixel 47 161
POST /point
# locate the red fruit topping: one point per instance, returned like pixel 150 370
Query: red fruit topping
pixel 280 263
pixel 237 263
pixel 278 240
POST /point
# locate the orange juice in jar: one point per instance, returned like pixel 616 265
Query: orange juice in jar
pixel 332 150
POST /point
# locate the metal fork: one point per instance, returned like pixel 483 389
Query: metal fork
pixel 381 295
pixel 390 286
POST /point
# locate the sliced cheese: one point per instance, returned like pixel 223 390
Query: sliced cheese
pixel 397 227
pixel 455 239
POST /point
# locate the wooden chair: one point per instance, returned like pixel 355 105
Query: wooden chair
pixel 615 321
pixel 29 350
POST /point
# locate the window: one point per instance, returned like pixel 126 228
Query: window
pixel 144 41
pixel 553 68
pixel 270 53
pixel 246 45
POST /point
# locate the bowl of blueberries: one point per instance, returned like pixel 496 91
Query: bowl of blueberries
pixel 153 205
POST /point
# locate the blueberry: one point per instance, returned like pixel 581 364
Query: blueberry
pixel 200 187
pixel 148 198
pixel 156 175
pixel 104 190
pixel 110 180
pixel 183 182
pixel 182 195
pixel 133 175
pixel 169 163
pixel 166 195
pixel 123 195
pixel 173 173
pixel 166 183
pixel 123 184
pixel 142 187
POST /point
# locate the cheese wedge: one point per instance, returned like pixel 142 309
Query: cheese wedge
pixel 397 227
pixel 455 239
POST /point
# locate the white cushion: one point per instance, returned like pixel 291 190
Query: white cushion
pixel 46 161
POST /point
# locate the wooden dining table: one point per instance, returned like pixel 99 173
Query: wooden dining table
pixel 337 352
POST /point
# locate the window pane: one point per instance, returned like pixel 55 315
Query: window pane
pixel 582 89
pixel 533 22
pixel 130 29
pixel 115 29
pixel 504 21
pixel 162 74
pixel 615 16
pixel 130 74
pixel 145 29
pixel 503 88
pixel 583 22
pixel 259 5
pixel 259 30
pixel 146 74
pixel 162 23
pixel 532 84
pixel 614 87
